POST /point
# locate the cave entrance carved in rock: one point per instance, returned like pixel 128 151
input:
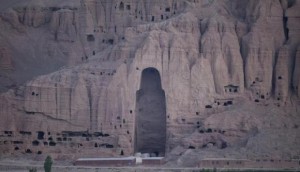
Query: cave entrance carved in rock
pixel 150 127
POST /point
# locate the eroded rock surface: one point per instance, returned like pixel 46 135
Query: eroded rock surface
pixel 229 71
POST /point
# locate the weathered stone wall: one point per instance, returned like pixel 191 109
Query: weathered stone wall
pixel 214 58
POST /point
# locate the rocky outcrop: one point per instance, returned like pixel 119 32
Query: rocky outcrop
pixel 292 30
pixel 216 67
pixel 64 25
pixel 260 46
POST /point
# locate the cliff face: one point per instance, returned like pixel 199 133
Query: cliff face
pixel 229 70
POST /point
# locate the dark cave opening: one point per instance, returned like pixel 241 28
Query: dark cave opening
pixel 35 143
pixel 40 135
pixel 90 38
pixel 150 131
pixel 121 6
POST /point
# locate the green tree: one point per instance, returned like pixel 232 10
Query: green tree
pixel 47 164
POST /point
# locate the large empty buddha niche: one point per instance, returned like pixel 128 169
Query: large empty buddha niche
pixel 150 133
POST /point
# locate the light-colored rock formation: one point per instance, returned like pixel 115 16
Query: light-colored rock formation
pixel 228 70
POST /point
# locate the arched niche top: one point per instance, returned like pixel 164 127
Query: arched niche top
pixel 150 79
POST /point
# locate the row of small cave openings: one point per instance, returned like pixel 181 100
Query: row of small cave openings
pixel 36 143
pixel 218 102
pixel 122 7
pixel 231 89
pixel 64 136
pixel 104 73
pixel 210 131
pixel 91 38
pixel 127 6
pixel 28 150
pixel 40 139
pixel 96 145
pixel 117 29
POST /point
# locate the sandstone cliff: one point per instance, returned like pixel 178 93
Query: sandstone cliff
pixel 229 71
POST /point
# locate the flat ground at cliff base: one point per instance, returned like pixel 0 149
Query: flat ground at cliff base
pixel 24 167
